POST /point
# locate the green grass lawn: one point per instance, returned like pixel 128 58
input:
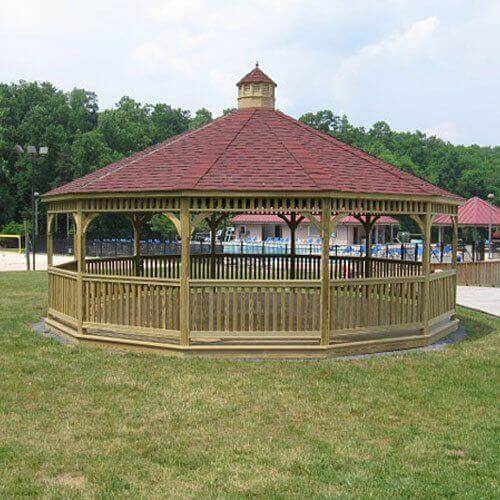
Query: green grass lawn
pixel 78 421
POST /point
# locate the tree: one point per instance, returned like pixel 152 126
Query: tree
pixel 201 117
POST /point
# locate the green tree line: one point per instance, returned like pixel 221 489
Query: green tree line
pixel 82 138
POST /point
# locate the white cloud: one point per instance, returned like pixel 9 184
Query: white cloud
pixel 413 63
pixel 395 49
pixel 445 130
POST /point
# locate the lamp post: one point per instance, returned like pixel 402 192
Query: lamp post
pixel 33 154
pixel 490 233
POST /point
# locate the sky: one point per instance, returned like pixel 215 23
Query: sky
pixel 427 65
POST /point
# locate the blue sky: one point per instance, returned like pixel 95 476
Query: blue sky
pixel 427 65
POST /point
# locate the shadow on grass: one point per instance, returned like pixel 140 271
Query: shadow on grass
pixel 477 324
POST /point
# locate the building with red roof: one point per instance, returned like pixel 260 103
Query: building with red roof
pixel 475 212
pixel 261 227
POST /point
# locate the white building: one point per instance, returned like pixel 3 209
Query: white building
pixel 261 227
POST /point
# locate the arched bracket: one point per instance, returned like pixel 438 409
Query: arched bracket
pixel 175 221
pixel 313 219
pixel 50 223
pixel 421 223
pixel 292 220
pixel 367 221
pixel 197 220
pixel 336 220
pixel 82 221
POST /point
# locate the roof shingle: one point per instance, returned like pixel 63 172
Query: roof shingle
pixel 474 212
pixel 256 76
pixel 253 149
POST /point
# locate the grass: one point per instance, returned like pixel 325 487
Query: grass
pixel 78 421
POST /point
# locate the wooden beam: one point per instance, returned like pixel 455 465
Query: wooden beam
pixel 79 249
pixel 185 232
pixel 138 221
pixel 326 214
pixel 50 239
pixel 175 221
pixel 426 269
pixel 454 257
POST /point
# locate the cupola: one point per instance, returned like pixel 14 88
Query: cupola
pixel 256 90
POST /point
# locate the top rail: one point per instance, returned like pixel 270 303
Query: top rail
pixel 252 267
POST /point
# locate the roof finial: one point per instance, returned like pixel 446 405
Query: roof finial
pixel 256 64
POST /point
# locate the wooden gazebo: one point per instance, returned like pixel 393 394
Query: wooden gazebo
pixel 255 160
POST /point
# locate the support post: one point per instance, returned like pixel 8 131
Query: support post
pixel 185 270
pixel 426 268
pixel 79 249
pixel 213 235
pixel 368 223
pixel 50 240
pixel 326 215
pixel 137 222
pixel 292 222
pixel 454 256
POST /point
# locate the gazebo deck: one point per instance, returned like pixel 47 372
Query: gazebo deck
pixel 252 307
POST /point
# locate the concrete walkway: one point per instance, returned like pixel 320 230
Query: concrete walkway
pixel 482 298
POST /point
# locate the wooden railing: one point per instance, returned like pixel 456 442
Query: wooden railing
pixel 68 266
pixel 132 302
pixel 483 273
pixel 258 309
pixel 63 296
pixel 442 293
pixel 111 266
pixel 371 302
pixel 230 309
pixel 251 267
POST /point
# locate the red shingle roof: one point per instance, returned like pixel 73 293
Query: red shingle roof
pixel 274 219
pixel 256 76
pixel 474 212
pixel 253 149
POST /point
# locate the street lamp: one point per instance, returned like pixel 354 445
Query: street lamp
pixel 33 154
pixel 490 197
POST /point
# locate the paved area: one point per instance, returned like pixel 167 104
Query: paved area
pixel 13 261
pixel 482 298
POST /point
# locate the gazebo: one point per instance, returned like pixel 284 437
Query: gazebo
pixel 256 160
pixel 474 213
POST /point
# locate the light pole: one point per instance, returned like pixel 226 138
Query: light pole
pixel 490 233
pixel 33 154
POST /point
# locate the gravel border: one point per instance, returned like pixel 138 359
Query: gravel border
pixel 457 336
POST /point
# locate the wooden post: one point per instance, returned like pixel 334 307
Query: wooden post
pixel 368 232
pixel 50 240
pixel 368 222
pixel 454 256
pixel 137 222
pixel 292 222
pixel 79 249
pixel 454 241
pixel 326 215
pixel 426 268
pixel 213 234
pixel 185 270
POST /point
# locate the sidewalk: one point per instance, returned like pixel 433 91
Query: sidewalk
pixel 482 298
pixel 13 261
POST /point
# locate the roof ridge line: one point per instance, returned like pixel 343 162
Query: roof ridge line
pixel 292 155
pixel 152 149
pixel 353 150
pixel 225 148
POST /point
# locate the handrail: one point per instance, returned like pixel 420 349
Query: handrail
pixel 62 272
